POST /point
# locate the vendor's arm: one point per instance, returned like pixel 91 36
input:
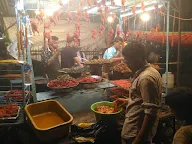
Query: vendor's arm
pixel 151 105
pixel 78 61
pixel 52 59
pixel 46 57
pixel 117 59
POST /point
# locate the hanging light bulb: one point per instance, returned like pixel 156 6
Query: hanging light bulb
pixel 49 12
pixel 37 12
pixel 145 17
pixel 110 19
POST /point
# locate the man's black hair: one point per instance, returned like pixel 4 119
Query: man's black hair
pixel 180 100
pixel 71 39
pixel 134 49
pixel 118 39
pixel 55 38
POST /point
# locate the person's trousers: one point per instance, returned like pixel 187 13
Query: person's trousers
pixel 130 141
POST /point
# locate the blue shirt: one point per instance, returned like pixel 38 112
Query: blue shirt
pixel 110 53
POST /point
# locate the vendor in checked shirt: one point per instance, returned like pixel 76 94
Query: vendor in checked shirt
pixel 144 102
pixel 49 57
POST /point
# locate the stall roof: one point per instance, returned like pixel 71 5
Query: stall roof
pixel 41 4
pixel 7 6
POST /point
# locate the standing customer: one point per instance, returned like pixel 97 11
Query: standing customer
pixel 141 119
pixel 50 59
pixel 69 55
pixel 180 102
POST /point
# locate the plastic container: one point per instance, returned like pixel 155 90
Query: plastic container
pixel 102 116
pixel 49 119
pixel 28 75
pixel 170 80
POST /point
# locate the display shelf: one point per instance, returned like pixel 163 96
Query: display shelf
pixel 7 96
pixel 25 91
pixel 9 77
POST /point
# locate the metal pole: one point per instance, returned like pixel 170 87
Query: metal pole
pixel 135 22
pixel 173 29
pixel 179 46
pixel 167 46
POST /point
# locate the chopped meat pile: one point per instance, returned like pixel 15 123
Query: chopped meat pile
pixel 122 83
pixel 105 109
pixel 62 83
pixel 8 111
pixel 89 80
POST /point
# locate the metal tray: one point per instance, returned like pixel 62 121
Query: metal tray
pixel 63 89
pixel 93 76
pixel 11 119
pixel 27 96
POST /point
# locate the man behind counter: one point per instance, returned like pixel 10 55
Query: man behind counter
pixel 144 100
pixel 114 52
pixel 69 55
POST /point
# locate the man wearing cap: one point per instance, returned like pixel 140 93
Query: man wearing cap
pixel 69 55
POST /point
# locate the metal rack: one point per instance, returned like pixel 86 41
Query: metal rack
pixel 22 87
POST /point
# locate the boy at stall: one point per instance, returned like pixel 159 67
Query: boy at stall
pixel 114 52
pixel 144 102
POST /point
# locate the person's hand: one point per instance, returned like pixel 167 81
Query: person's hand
pixel 112 60
pixel 81 66
pixel 56 47
pixel 120 102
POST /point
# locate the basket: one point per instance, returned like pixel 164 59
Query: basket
pixel 49 119
pixel 102 116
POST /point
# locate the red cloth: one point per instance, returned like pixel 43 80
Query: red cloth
pixel 186 39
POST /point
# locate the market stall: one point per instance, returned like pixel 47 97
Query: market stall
pixel 80 95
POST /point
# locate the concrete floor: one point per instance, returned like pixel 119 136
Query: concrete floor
pixel 77 102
